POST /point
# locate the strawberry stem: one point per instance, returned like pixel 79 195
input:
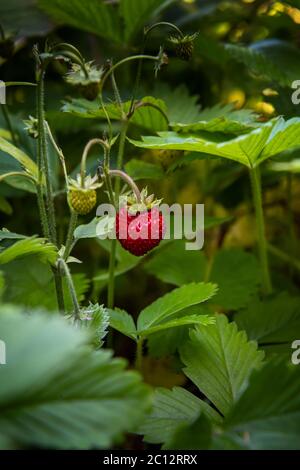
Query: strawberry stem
pixel 128 180
pixel 86 150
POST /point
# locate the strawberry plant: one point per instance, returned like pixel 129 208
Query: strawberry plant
pixel 127 320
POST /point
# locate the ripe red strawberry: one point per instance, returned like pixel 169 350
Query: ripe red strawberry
pixel 141 232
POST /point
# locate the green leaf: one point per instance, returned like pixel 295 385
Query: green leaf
pixel 234 271
pixel 53 382
pixel 192 436
pixel 167 342
pixel 94 318
pixel 136 14
pixel 121 321
pixel 29 165
pixel 171 409
pixel 7 235
pixel 271 59
pixel 176 265
pixel 37 288
pixel 237 274
pixel 219 118
pixel 94 16
pixel 139 169
pixel 146 117
pixel 219 360
pixel 203 320
pixel 249 149
pixel 275 320
pixel 23 17
pixel 269 409
pixel 98 227
pixel 38 246
pixel 285 135
pixel 165 307
pixel 181 106
pixel 125 262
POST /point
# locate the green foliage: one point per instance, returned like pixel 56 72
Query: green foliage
pixel 103 19
pixel 272 60
pixel 238 277
pixel 139 170
pixel 94 318
pixel 195 435
pixel 219 118
pixel 94 16
pixel 173 408
pixel 234 271
pixel 66 384
pixel 123 322
pixel 136 13
pixel 165 308
pixel 249 149
pixel 36 287
pixel 28 246
pixel 275 320
pixel 27 163
pixel 269 409
pixel 146 117
pixel 219 360
pixel 169 311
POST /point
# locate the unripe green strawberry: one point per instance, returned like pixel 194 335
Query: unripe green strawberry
pixel 184 46
pixel 185 50
pixel 82 195
pixel 82 201
pixel 88 82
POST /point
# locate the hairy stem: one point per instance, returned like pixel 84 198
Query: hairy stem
pixel 112 258
pixel 128 180
pixel 43 160
pixel 64 267
pixel 58 151
pixel 69 239
pixel 59 290
pixel 260 230
pixel 86 150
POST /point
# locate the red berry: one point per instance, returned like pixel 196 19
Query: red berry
pixel 139 233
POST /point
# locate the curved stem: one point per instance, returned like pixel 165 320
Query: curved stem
pixel 143 104
pixel 163 23
pixel 123 61
pixel 106 76
pixel 128 180
pixel 63 265
pixel 70 51
pixel 260 229
pixel 69 240
pixel 86 150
